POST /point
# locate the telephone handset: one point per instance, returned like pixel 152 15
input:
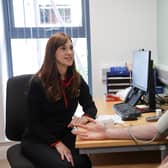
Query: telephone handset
pixel 133 96
pixel 129 95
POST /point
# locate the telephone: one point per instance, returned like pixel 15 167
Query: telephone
pixel 131 95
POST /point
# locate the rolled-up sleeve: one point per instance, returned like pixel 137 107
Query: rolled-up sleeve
pixel 162 124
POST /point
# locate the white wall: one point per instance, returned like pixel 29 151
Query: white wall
pixel 117 28
pixel 162 32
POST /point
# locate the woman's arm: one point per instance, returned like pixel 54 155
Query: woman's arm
pixel 86 101
pixel 88 106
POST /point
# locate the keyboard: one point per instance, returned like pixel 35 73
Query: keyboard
pixel 126 111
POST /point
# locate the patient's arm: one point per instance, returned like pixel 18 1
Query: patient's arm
pixel 97 130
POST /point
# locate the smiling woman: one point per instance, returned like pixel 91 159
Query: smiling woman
pixel 54 94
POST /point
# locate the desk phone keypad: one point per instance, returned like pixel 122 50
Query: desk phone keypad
pixel 126 111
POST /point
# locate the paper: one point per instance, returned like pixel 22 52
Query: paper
pixel 114 118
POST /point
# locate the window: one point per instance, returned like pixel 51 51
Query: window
pixel 48 15
pixel 31 22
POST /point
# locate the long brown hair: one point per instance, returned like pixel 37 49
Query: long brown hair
pixel 49 73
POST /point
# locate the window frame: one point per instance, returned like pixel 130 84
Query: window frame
pixel 12 32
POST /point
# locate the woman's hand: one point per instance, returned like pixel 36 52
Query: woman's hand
pixel 64 152
pixel 78 120
pixel 93 130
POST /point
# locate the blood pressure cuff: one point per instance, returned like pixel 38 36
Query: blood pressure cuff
pixel 162 124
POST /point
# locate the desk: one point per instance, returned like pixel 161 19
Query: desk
pixel 107 146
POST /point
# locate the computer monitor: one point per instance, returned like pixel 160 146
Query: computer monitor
pixel 140 69
pixel 142 79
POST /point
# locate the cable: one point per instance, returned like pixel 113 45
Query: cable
pixel 137 140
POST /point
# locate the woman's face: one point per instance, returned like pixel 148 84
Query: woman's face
pixel 65 55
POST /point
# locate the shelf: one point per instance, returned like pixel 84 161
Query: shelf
pixel 116 83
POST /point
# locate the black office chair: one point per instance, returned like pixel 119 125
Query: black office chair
pixel 16 119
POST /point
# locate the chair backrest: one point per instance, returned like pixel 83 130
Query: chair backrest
pixel 16 106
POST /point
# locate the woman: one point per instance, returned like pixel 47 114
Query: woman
pixel 53 96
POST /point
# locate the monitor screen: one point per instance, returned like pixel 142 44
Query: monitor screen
pixel 140 69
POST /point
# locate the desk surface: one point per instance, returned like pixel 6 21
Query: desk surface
pixel 106 108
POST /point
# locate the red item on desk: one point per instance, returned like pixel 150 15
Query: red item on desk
pixel 112 97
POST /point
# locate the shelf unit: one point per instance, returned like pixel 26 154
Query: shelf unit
pixel 116 83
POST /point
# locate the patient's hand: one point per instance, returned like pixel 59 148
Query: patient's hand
pixel 93 130
pixel 78 120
